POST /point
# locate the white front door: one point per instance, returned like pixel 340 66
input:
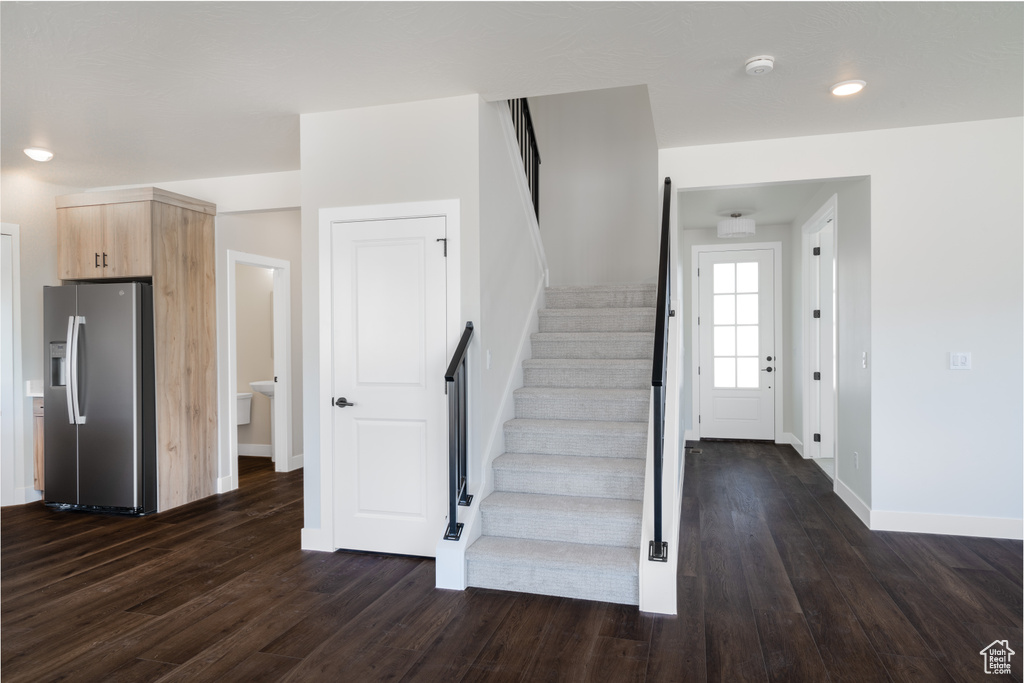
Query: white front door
pixel 389 355
pixel 737 344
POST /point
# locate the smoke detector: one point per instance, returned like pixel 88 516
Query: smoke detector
pixel 759 66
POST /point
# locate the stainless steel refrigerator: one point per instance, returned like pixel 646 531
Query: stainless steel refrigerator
pixel 100 435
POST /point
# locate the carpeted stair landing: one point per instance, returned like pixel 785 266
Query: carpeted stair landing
pixel 565 515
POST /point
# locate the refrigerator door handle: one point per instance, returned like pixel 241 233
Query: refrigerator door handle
pixel 77 322
pixel 69 387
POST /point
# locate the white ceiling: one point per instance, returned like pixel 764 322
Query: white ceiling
pixel 771 204
pixel 134 92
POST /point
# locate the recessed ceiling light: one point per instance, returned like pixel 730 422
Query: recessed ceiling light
pixel 39 154
pixel 847 88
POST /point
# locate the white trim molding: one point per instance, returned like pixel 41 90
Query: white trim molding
pixel 929 523
pixel 854 502
pixel 952 525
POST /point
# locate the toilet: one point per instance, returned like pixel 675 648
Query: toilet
pixel 244 407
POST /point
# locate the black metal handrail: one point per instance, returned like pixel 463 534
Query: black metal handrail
pixel 523 123
pixel 659 547
pixel 455 387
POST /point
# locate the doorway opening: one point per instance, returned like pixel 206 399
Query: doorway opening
pixel 737 335
pixel 255 284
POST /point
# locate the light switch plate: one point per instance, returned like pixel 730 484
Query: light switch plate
pixel 959 360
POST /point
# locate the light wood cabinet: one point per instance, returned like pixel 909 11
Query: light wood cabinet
pixel 168 239
pixel 105 241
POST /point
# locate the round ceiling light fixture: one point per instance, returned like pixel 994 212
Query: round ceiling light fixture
pixel 38 154
pixel 736 226
pixel 759 66
pixel 847 88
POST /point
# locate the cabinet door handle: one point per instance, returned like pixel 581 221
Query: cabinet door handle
pixel 104 259
pixel 97 261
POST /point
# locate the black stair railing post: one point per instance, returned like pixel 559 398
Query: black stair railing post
pixel 456 386
pixel 659 547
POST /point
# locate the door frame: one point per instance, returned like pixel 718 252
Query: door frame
pixel 815 224
pixel 284 460
pixel 449 209
pixel 696 251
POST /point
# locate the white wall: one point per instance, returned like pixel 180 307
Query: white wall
pixel 276 234
pixel 599 189
pixel 29 204
pixel 945 445
pixel 416 151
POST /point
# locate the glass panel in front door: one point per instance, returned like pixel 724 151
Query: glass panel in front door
pixel 736 326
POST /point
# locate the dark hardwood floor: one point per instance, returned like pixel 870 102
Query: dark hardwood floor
pixel 778 581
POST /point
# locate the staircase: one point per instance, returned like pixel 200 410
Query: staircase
pixel 564 518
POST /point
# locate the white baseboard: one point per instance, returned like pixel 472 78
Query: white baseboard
pixel 295 462
pixel 26 494
pixel 952 525
pixel 690 435
pixel 224 484
pixel 260 450
pixel 853 501
pixel 312 539
pixel 791 440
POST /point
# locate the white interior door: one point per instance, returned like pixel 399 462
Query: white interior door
pixel 821 352
pixel 737 344
pixel 389 347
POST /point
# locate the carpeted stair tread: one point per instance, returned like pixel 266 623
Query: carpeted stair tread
pixel 577 437
pixel 584 572
pixel 569 519
pixel 570 475
pixel 613 405
pixel 595 373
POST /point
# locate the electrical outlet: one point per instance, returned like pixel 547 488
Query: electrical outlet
pixel 856 460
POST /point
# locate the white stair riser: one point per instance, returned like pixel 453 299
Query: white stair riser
pixel 599 485
pixel 618 378
pixel 557 297
pixel 568 443
pixel 581 407
pixel 545 525
pixel 640 320
pixel 607 586
pixel 585 346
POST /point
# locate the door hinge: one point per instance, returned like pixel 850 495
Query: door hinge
pixel 698 369
pixel 817 312
pixel 817 375
pixel 445 240
pixel 817 437
pixel 698 419
pixel 817 251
